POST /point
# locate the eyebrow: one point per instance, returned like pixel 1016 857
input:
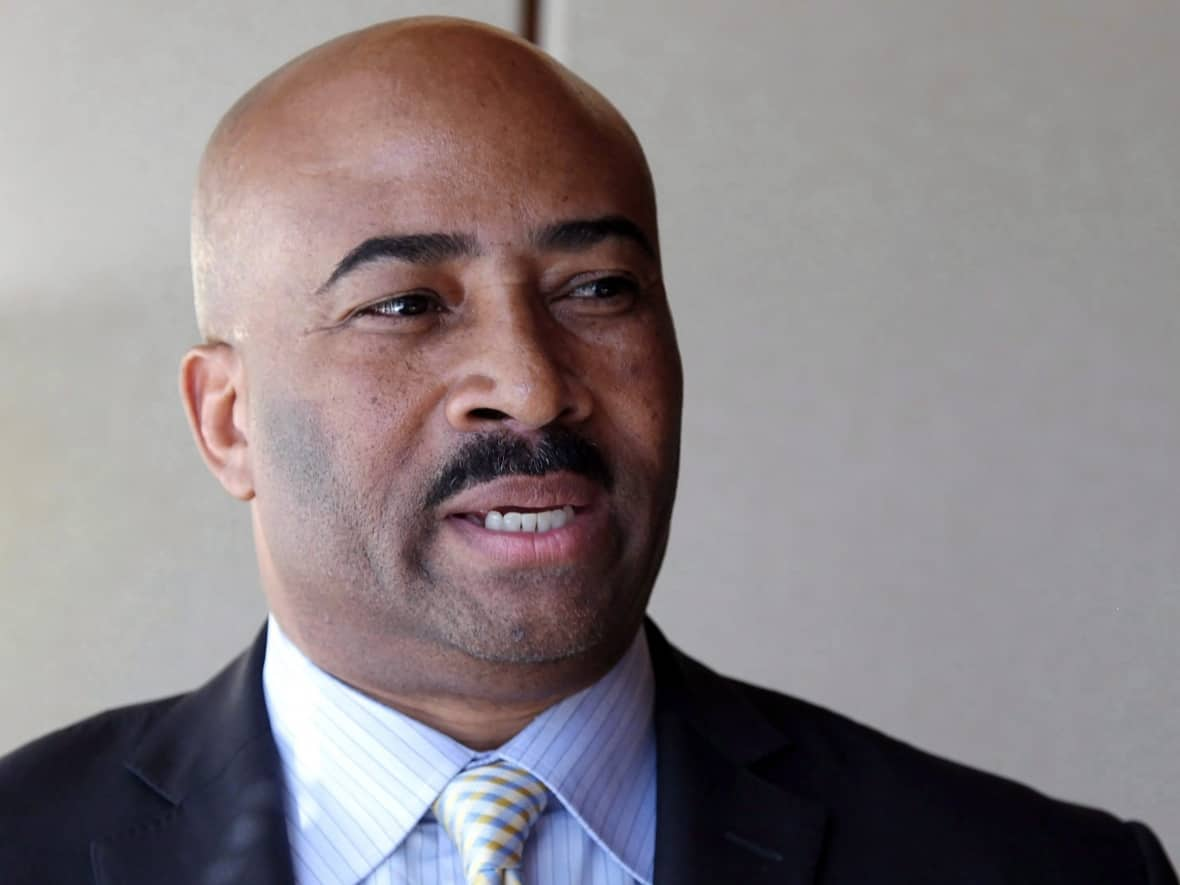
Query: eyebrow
pixel 574 235
pixel 411 248
pixel 582 233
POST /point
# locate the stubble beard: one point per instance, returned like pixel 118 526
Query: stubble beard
pixel 533 617
pixel 386 566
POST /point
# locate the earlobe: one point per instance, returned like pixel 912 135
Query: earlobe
pixel 212 391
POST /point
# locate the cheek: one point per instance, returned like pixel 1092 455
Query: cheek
pixel 329 450
pixel 379 397
pixel 340 494
pixel 294 451
pixel 640 391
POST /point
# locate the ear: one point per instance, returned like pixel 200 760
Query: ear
pixel 212 388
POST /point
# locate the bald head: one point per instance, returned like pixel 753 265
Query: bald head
pixel 378 103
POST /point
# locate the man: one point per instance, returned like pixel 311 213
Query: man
pixel 440 365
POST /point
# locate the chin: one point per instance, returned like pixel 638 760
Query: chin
pixel 548 622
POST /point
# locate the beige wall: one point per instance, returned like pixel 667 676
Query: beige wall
pixel 924 262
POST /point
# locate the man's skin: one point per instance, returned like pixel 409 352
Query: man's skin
pixel 339 398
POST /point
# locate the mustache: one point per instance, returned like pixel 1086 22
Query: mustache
pixel 493 455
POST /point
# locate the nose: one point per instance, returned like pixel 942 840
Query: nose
pixel 516 372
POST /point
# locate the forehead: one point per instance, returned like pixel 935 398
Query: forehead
pixel 362 150
pixel 456 181
pixel 314 162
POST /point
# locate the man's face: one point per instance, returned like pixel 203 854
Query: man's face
pixel 459 317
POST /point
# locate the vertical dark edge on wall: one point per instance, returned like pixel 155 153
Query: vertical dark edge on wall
pixel 530 19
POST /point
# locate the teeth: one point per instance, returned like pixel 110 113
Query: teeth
pixel 545 521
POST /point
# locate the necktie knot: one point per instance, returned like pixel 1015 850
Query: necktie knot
pixel 488 812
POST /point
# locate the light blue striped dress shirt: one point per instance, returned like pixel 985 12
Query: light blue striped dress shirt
pixel 361 777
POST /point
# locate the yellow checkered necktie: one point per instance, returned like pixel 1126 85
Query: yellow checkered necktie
pixel 488 812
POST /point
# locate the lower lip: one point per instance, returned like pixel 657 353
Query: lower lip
pixel 574 541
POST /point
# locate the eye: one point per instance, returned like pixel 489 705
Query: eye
pixel 411 304
pixel 604 288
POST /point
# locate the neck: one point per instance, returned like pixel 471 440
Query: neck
pixel 488 705
pixel 472 722
pixel 480 704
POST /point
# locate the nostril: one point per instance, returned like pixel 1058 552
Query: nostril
pixel 488 414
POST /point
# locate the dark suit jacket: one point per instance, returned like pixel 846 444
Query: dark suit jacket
pixel 753 787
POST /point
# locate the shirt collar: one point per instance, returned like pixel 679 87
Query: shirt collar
pixel 596 752
pixel 353 765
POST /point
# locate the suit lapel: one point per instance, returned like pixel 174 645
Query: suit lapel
pixel 213 760
pixel 717 820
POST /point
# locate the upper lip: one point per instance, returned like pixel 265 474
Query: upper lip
pixel 552 491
